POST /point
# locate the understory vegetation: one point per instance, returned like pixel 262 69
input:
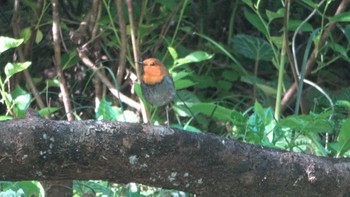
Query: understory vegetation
pixel 266 72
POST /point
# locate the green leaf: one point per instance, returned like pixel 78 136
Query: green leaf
pixel 126 116
pixel 8 43
pixel 274 15
pixel 230 75
pixel 47 111
pixel 69 60
pixel 21 101
pixel 255 21
pixel 344 138
pixel 342 17
pixel 168 4
pixel 268 90
pixel 179 75
pixel 53 83
pixel 258 109
pixel 183 83
pixel 224 85
pixel 182 100
pixel 204 81
pixel 260 126
pixel 39 36
pixel 277 40
pixel 343 103
pixel 187 97
pixel 253 47
pixel 30 188
pixel 2 118
pixel 26 33
pixel 196 56
pixel 310 3
pixel 105 111
pixel 259 84
pixel 13 68
pixel 173 53
pixel 212 109
pixel 338 48
pixel 347 32
pixel 238 119
pixel 293 25
pixel 248 2
pixel 238 66
pixel 315 123
pixel 138 90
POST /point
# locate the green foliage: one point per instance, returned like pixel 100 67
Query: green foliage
pixel 252 47
pixel 255 21
pixel 21 188
pixel 215 61
pixel 343 144
pixel 309 123
pixel 18 100
pixel 257 128
pixel 7 43
pixel 106 111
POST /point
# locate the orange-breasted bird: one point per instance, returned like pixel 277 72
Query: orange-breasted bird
pixel 157 86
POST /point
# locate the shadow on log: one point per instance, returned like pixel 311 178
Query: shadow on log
pixel 40 149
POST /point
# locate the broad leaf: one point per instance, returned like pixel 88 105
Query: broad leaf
pixel 274 15
pixel 253 47
pixel 255 21
pixel 7 43
pixel 212 109
pixel 21 101
pixel 342 17
pixel 105 111
pixel 196 56
pixel 293 25
pixel 26 33
pixel 173 53
pixel 344 138
pixel 183 83
pixel 47 111
pixel 13 68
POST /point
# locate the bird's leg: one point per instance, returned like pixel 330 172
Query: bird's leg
pixel 167 115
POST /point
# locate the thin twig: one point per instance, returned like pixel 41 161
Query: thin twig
pixel 312 59
pixel 83 56
pixel 57 60
pixel 22 58
pixel 136 55
pixel 94 16
pixel 166 27
pixel 133 40
pixel 123 42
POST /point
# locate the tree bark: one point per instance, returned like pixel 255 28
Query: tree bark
pixel 207 165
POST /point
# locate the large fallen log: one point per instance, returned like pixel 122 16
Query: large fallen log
pixel 40 149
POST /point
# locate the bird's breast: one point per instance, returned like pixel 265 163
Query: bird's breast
pixel 160 93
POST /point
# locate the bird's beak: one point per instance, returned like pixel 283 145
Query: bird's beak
pixel 140 62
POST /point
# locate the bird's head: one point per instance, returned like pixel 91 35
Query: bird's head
pixel 153 71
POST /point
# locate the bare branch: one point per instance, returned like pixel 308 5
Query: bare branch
pixel 57 60
pixel 170 158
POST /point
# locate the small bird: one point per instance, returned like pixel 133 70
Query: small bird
pixel 157 86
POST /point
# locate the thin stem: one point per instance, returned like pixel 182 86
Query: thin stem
pixel 136 55
pixel 179 22
pixel 312 59
pixel 57 60
pixel 22 58
pixel 123 42
pixel 282 62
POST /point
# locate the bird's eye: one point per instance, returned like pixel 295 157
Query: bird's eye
pixel 153 64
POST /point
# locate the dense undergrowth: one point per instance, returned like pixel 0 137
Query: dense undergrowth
pixel 261 72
